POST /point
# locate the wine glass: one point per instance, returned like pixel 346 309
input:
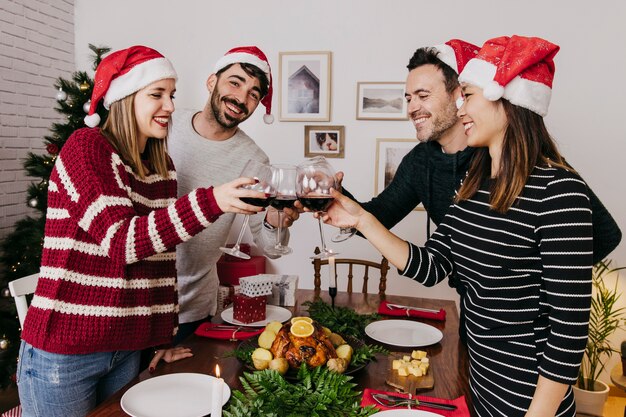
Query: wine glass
pixel 315 179
pixel 284 181
pixel 263 174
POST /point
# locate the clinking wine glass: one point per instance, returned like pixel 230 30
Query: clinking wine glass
pixel 284 181
pixel 315 179
pixel 263 174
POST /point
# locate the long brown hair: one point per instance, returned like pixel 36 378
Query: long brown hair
pixel 120 128
pixel 527 143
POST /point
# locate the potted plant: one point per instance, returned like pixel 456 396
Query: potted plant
pixel 605 318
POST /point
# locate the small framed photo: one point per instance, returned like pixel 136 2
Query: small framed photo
pixel 304 86
pixel 327 141
pixel 381 101
pixel 389 154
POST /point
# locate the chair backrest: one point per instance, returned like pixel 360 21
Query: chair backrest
pixel 382 266
pixel 19 289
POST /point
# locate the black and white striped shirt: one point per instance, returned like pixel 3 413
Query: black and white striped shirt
pixel 527 279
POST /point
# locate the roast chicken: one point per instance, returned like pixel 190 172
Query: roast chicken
pixel 314 350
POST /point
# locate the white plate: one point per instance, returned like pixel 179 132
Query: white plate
pixel 405 333
pixel 273 313
pixel 407 413
pixel 181 395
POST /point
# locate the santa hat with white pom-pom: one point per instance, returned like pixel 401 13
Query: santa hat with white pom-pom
pixel 519 69
pixel 456 53
pixel 254 56
pixel 125 72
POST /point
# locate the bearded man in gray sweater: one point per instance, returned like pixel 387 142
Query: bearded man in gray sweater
pixel 209 148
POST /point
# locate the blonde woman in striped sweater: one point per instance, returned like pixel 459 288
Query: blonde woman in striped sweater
pixel 107 285
pixel 518 236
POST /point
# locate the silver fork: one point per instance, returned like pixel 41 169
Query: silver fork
pixel 401 307
pixel 383 400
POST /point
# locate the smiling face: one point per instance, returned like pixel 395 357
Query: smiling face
pixel 153 107
pixel 234 96
pixel 431 108
pixel 484 121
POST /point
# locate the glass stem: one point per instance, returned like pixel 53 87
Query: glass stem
pixel 280 228
pixel 319 219
pixel 242 231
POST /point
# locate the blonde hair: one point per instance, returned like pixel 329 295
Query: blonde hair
pixel 120 128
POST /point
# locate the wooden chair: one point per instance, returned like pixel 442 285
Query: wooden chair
pixel 382 266
pixel 19 289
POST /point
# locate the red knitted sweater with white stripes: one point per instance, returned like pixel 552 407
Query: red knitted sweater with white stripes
pixel 108 269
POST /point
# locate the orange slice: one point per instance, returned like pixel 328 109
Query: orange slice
pixel 303 318
pixel 302 328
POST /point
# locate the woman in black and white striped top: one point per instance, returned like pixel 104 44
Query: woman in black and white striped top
pixel 518 235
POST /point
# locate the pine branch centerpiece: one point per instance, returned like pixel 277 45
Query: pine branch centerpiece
pixel 340 320
pixel 319 392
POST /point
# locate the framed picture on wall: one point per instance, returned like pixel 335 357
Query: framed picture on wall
pixel 389 154
pixel 304 86
pixel 381 101
pixel 328 141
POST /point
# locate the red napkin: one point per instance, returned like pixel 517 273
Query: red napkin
pixel 461 405
pixel 206 330
pixel 384 309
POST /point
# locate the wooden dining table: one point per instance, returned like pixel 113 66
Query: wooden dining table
pixel 448 358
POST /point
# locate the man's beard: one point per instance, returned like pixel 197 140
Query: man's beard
pixel 441 124
pixel 222 119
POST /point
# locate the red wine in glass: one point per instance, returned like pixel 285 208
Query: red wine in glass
pixel 283 202
pixel 316 203
pixel 259 202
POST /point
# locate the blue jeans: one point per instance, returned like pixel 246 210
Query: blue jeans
pixel 52 385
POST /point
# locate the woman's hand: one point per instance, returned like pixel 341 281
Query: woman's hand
pixel 169 355
pixel 343 212
pixel 228 196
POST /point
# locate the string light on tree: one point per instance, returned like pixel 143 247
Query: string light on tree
pixel 6 293
pixel 33 202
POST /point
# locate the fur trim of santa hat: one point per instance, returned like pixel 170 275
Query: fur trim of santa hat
pixel 456 53
pixel 125 72
pixel 254 56
pixel 519 69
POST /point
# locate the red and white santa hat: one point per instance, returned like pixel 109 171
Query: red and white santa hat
pixel 254 56
pixel 125 72
pixel 456 53
pixel 519 69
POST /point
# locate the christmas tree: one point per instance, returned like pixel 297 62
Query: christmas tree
pixel 21 249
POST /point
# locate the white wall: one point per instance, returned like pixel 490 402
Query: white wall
pixel 36 47
pixel 373 41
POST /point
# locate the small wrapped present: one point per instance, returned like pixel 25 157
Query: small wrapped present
pixel 230 271
pixel 249 309
pixel 225 297
pixel 257 285
pixel 284 290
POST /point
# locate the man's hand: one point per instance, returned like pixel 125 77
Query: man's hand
pixel 289 216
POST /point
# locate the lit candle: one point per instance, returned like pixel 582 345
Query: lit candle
pixel 332 272
pixel 217 394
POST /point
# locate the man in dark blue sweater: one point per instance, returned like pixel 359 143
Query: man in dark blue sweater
pixel 432 171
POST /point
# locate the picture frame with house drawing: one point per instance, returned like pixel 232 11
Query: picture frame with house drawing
pixel 304 79
pixel 381 101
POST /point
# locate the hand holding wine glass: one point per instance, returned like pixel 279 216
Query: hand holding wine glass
pixel 262 175
pixel 315 179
